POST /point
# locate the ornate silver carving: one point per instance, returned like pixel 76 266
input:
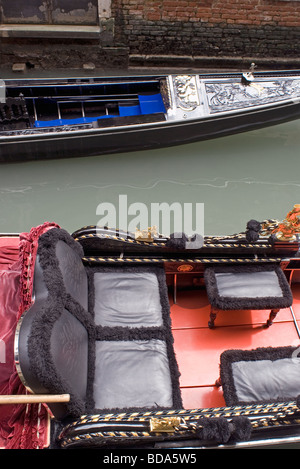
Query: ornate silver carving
pixel 186 93
pixel 229 96
pixel 45 130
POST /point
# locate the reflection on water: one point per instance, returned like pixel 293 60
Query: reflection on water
pixel 250 175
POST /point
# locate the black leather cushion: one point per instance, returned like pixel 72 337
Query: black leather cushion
pixel 131 300
pixel 69 352
pixel 53 355
pixel 132 374
pixel 260 375
pixel 248 284
pixel 135 364
pixel 247 287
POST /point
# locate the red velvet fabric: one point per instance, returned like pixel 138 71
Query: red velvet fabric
pixel 21 426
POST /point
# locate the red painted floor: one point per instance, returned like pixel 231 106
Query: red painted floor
pixel 198 348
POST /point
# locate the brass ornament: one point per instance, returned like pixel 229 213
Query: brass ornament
pixel 185 268
pixel 164 425
pixel 288 229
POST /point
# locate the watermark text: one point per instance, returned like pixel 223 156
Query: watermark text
pixel 176 218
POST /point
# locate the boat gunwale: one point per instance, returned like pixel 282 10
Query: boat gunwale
pixel 202 75
pixel 89 132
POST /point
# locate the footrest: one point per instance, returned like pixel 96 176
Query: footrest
pixel 261 375
pixel 247 287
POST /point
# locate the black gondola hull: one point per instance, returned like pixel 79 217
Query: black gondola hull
pixel 94 142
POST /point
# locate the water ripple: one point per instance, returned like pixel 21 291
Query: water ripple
pixel 216 183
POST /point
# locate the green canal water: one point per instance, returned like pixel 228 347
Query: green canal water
pixel 251 175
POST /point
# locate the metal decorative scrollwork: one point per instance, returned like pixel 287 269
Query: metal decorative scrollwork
pixel 228 96
pixel 186 92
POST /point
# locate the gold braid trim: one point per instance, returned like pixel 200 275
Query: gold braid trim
pixel 182 422
pixel 254 260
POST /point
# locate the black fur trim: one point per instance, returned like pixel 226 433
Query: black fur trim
pixel 242 428
pixel 254 225
pixel 48 240
pixel 214 429
pixel 182 241
pixel 253 230
pixel 177 241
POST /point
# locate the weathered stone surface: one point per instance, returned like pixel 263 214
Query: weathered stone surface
pixel 153 32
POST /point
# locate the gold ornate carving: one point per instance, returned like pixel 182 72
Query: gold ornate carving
pixel 147 235
pixel 163 425
pixel 290 227
pixel 185 268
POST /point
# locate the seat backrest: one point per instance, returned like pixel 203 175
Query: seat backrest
pixel 59 257
pixel 53 336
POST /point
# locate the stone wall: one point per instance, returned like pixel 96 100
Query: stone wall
pixel 48 34
pixel 209 28
pixel 122 33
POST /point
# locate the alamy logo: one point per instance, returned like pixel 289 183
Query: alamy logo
pixel 2 91
pixel 177 218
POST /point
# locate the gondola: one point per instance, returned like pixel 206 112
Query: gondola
pixel 122 341
pixel 78 117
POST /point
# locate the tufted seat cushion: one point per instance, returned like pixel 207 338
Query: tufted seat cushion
pixel 248 284
pixel 127 300
pixel 132 372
